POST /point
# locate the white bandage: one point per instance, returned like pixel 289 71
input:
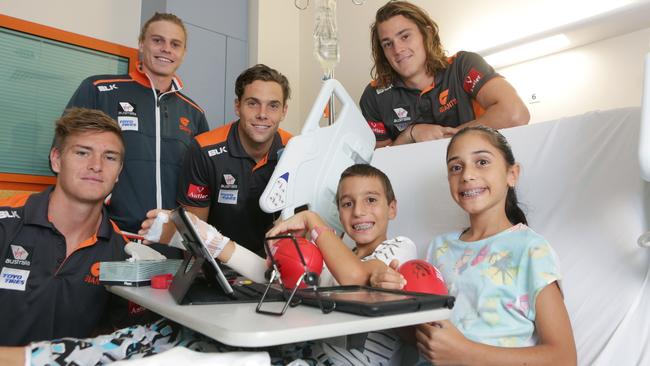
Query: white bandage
pixel 211 237
pixel 156 229
pixel 214 241
pixel 177 241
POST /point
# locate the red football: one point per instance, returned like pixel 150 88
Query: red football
pixel 422 276
pixel 288 260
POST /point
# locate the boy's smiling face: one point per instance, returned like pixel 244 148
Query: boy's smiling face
pixel 364 210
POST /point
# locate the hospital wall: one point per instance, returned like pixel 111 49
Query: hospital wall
pixel 116 21
pixel 273 40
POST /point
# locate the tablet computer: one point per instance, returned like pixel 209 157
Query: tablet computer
pixel 371 301
pixel 201 280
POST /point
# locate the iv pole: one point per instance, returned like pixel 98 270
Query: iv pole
pixel 326 47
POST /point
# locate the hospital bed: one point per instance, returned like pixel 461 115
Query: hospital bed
pixel 580 186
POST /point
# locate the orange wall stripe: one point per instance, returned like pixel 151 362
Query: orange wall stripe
pixel 71 38
pixel 24 182
pixel 25 178
pixel 29 187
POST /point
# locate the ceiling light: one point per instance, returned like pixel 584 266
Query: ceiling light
pixel 528 51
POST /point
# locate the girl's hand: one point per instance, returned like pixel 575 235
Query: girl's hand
pixel 388 277
pixel 442 343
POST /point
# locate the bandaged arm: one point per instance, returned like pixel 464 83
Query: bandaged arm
pixel 242 260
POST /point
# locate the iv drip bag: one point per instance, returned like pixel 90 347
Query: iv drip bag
pixel 326 44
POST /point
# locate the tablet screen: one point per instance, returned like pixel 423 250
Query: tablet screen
pixel 363 296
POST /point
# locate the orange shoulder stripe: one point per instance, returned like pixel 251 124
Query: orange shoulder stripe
pixel 18 200
pixel 190 102
pixel 118 231
pixel 285 136
pixel 112 81
pixel 214 137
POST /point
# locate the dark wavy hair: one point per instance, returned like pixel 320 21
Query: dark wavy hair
pixel 436 58
pixel 514 213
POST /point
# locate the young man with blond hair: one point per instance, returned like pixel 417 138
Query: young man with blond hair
pixel 158 121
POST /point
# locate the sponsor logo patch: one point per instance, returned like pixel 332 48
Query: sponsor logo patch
pixel 451 104
pixel 442 98
pixel 228 196
pixel 198 193
pixel 401 112
pixel 377 127
pixel 472 78
pixel 105 88
pixel 402 115
pixel 230 180
pixel 128 123
pixel 21 256
pixel 381 90
pixel 183 122
pixel 401 125
pixel 127 107
pixel 127 117
pixel 13 279
pixel 19 252
pixel 135 309
pixel 217 151
pixel 93 274
pixel 9 215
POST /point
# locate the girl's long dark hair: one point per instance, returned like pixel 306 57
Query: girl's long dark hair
pixel 514 213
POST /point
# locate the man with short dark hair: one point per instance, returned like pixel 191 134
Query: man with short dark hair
pixel 158 122
pixel 227 169
pixel 51 242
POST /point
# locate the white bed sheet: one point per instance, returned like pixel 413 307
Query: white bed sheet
pixel 582 190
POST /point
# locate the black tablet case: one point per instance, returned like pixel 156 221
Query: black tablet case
pixel 414 302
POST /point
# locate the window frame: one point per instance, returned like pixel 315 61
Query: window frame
pixel 26 182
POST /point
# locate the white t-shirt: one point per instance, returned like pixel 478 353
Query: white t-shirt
pixel 400 248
